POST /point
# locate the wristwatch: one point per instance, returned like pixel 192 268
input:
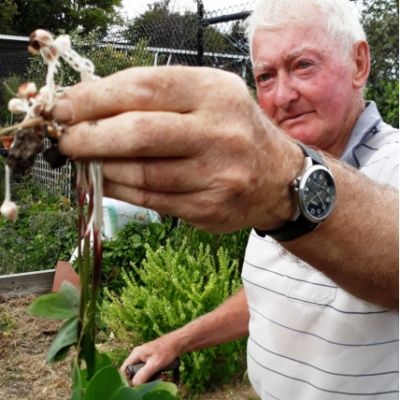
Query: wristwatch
pixel 315 195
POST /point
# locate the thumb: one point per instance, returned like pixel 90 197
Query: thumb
pixel 145 373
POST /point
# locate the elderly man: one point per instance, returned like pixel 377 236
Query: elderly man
pixel 321 268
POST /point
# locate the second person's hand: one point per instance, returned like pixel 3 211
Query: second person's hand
pixel 156 355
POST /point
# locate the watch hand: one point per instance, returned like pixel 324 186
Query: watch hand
pixel 317 195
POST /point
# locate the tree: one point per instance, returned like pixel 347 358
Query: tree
pixel 381 24
pixel 8 11
pixel 53 15
pixel 166 29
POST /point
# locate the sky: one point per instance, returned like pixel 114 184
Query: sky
pixel 134 7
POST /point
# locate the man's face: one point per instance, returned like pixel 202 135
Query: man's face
pixel 302 83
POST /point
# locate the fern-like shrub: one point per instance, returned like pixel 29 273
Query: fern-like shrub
pixel 170 289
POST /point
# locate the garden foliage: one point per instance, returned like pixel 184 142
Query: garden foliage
pixel 100 380
pixel 172 286
pixel 129 246
pixel 45 232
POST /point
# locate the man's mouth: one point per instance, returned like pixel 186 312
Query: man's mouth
pixel 294 118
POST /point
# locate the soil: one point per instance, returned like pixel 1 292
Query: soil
pixel 24 373
pixel 27 144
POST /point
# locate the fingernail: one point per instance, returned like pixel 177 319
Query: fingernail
pixel 64 144
pixel 63 111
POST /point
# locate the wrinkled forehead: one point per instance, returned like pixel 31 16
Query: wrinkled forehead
pixel 293 36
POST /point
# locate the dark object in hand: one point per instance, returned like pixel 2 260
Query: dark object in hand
pixel 54 157
pixel 132 370
pixel 27 144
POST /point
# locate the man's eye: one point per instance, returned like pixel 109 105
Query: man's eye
pixel 264 77
pixel 304 64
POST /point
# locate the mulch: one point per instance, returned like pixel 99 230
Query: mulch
pixel 25 374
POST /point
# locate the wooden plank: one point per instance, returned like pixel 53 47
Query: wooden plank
pixel 28 283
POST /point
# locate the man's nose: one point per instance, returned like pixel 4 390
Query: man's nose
pixel 285 91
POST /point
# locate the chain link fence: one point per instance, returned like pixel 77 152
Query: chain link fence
pixel 170 34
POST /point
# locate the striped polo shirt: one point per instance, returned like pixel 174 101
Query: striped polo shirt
pixel 309 339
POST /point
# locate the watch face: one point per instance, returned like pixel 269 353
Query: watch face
pixel 317 193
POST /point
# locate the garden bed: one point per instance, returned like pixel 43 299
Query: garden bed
pixel 24 373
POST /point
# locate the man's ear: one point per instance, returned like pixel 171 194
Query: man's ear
pixel 361 60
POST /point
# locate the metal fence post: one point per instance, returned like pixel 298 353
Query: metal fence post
pixel 200 33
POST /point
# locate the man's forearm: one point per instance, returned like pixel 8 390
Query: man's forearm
pixel 357 246
pixel 226 323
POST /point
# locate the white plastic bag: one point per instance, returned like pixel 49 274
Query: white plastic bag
pixel 116 214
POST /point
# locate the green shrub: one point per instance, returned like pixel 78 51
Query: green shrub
pixel 169 289
pixel 45 231
pixel 386 96
pixel 129 246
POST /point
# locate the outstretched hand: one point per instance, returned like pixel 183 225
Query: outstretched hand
pixel 188 142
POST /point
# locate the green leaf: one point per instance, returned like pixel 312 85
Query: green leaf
pixel 53 305
pixel 104 385
pixel 66 337
pixel 159 395
pixel 76 382
pixel 168 387
pixel 146 387
pixel 126 394
pixel 71 295
pixel 101 361
pixel 88 351
pixel 84 378
pixel 62 305
pixel 136 238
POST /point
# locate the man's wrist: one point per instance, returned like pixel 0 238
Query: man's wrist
pixel 285 205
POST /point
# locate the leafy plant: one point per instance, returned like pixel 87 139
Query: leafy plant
pixel 93 375
pixel 100 381
pixel 44 233
pixel 129 247
pixel 169 289
pixel 387 97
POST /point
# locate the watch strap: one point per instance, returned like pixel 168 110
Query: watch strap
pixel 291 230
pixel 312 154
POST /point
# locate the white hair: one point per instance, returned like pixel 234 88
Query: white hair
pixel 342 21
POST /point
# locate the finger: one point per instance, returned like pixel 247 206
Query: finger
pixel 163 202
pixel 164 175
pixel 134 134
pixel 146 372
pixel 133 359
pixel 200 209
pixel 147 89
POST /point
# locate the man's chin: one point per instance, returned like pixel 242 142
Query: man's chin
pixel 303 134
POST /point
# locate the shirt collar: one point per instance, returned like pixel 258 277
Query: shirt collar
pixel 365 126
